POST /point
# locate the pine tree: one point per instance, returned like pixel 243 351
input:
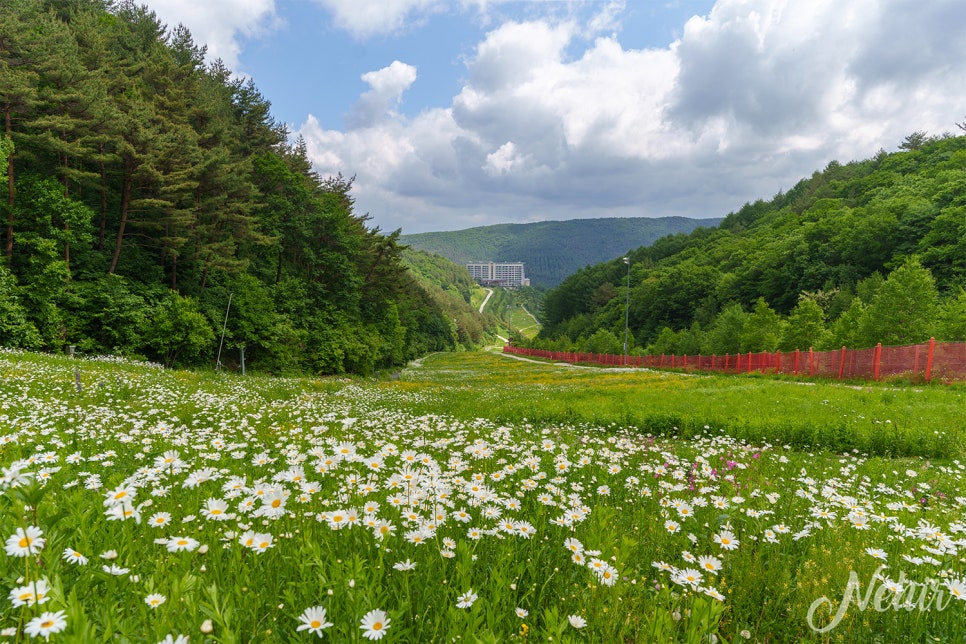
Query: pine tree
pixel 140 44
pixel 18 86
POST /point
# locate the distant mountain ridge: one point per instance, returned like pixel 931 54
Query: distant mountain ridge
pixel 553 250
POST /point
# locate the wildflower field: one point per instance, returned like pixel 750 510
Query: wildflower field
pixel 476 498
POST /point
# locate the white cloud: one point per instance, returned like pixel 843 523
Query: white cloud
pixel 219 24
pixel 386 89
pixel 751 98
pixel 505 160
pixel 366 18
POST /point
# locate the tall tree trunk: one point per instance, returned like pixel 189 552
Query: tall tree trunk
pixel 204 274
pixel 66 223
pixel 67 252
pixel 125 204
pixel 100 233
pixel 11 192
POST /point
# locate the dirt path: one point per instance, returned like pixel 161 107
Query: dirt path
pixel 489 294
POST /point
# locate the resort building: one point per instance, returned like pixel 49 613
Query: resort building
pixel 498 273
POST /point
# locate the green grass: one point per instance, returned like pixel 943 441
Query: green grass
pixel 881 419
pixel 508 305
pixel 542 461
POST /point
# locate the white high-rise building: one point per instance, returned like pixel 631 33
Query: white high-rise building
pixel 498 273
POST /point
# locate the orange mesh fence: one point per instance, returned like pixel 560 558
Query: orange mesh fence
pixel 943 361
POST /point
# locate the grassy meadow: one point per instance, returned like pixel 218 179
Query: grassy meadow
pixel 479 498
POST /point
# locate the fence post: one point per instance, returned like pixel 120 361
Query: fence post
pixel 778 362
pixel 929 357
pixel 685 360
pixel 811 362
pixel 797 354
pixel 842 363
pixel 876 359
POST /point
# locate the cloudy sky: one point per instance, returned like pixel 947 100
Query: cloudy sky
pixel 461 113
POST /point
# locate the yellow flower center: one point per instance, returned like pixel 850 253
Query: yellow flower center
pixel 25 542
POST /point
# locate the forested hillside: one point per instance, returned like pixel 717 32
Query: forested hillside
pixel 866 252
pixel 451 287
pixel 552 250
pixel 146 189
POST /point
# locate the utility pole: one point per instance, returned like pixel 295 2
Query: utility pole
pixel 223 327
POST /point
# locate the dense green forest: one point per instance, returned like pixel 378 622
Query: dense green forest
pixel 552 250
pixel 866 252
pixel 146 190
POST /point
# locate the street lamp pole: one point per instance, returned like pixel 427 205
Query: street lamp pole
pixel 627 305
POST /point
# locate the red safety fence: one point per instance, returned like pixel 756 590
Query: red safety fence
pixel 942 361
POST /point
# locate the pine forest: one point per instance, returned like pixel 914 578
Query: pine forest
pixel 152 202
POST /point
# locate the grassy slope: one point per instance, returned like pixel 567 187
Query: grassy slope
pixel 880 419
pixel 509 305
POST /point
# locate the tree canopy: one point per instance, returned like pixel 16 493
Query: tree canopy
pixel 866 252
pixel 146 188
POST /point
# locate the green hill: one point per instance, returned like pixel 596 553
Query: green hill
pixel 870 251
pixel 451 288
pixel 552 250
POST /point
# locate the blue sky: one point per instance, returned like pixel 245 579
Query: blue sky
pixel 437 45
pixel 452 114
